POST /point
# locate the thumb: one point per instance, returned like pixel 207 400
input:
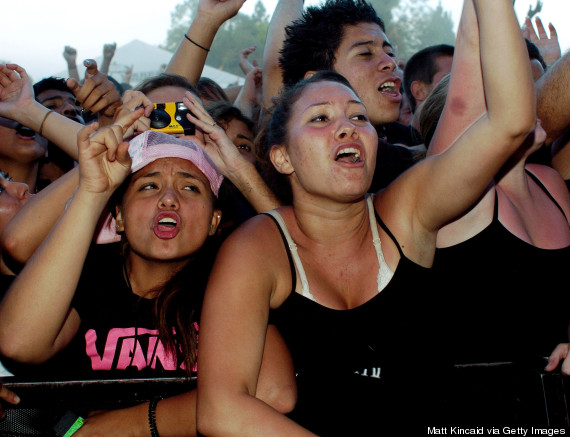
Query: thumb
pixel 91 66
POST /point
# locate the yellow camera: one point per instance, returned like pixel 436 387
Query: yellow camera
pixel 170 118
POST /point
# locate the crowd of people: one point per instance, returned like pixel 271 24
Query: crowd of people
pixel 239 252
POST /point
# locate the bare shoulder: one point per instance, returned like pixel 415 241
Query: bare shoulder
pixel 254 256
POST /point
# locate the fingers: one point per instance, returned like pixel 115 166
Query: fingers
pixel 541 31
pixel 85 133
pixel 8 395
pixel 127 120
pixel 133 99
pixel 559 353
pixel 91 66
pixel 553 33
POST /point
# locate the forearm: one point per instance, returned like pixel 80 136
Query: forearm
pixel 285 12
pixel 72 70
pixel 249 182
pixel 58 129
pixel 507 78
pixel 32 223
pixel 189 59
pixel 37 304
pixel 553 98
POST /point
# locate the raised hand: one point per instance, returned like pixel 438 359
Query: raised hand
pixel 109 50
pixel 70 55
pixel 244 63
pixel 104 160
pixel 549 47
pixel 220 10
pixel 217 144
pixel 97 94
pixel 16 92
pixel 132 101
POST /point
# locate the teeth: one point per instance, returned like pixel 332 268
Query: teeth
pixel 350 151
pixel 167 221
pixel 386 85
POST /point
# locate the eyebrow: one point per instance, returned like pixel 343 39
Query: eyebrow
pixel 184 174
pixel 364 43
pixel 62 97
pixel 245 137
pixel 329 103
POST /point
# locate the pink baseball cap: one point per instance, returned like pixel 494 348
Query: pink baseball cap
pixel 150 146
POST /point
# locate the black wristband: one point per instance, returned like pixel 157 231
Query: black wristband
pixel 152 416
pixel 195 43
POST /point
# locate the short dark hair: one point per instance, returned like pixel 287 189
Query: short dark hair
pixel 534 53
pixel 164 79
pixel 50 83
pixel 421 66
pixel 276 130
pixel 313 39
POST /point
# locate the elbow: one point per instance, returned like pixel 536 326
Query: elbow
pixel 212 418
pixel 12 349
pixel 282 398
pixel 12 248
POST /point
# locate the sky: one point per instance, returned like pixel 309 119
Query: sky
pixel 34 33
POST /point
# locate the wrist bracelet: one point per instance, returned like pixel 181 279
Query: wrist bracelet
pixel 43 121
pixel 152 415
pixel 195 43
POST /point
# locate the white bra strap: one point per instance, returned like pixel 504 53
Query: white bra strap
pixel 384 272
pixel 293 248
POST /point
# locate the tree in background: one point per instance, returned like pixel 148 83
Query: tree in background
pixel 411 25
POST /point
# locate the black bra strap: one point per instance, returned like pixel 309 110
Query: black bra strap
pixel 385 228
pixel 543 188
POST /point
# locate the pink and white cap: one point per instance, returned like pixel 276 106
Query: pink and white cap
pixel 150 146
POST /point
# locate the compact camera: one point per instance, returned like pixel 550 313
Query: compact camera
pixel 170 118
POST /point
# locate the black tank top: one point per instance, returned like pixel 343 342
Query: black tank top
pixel 509 298
pixel 355 370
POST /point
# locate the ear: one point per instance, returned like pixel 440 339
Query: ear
pixel 280 159
pixel 120 227
pixel 309 73
pixel 420 91
pixel 216 218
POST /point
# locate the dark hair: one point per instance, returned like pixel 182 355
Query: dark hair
pixel 178 302
pixel 422 67
pixel 312 40
pixel 276 130
pixel 432 109
pixel 226 112
pixel 164 79
pixel 534 53
pixel 209 90
pixel 51 83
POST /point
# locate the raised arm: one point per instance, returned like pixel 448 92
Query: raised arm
pixel 455 179
pixel 285 12
pixel 190 56
pixel 36 319
pixel 553 98
pixel 70 56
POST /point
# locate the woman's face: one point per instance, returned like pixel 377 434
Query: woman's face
pixel 332 146
pixel 242 137
pixel 13 195
pixel 168 210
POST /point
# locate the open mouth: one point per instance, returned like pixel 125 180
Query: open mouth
pixel 390 88
pixel 24 131
pixel 166 226
pixel 349 155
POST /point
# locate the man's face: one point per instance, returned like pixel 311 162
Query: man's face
pixel 365 57
pixel 443 68
pixel 62 102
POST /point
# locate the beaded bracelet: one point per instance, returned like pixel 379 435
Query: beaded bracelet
pixel 152 416
pixel 195 43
